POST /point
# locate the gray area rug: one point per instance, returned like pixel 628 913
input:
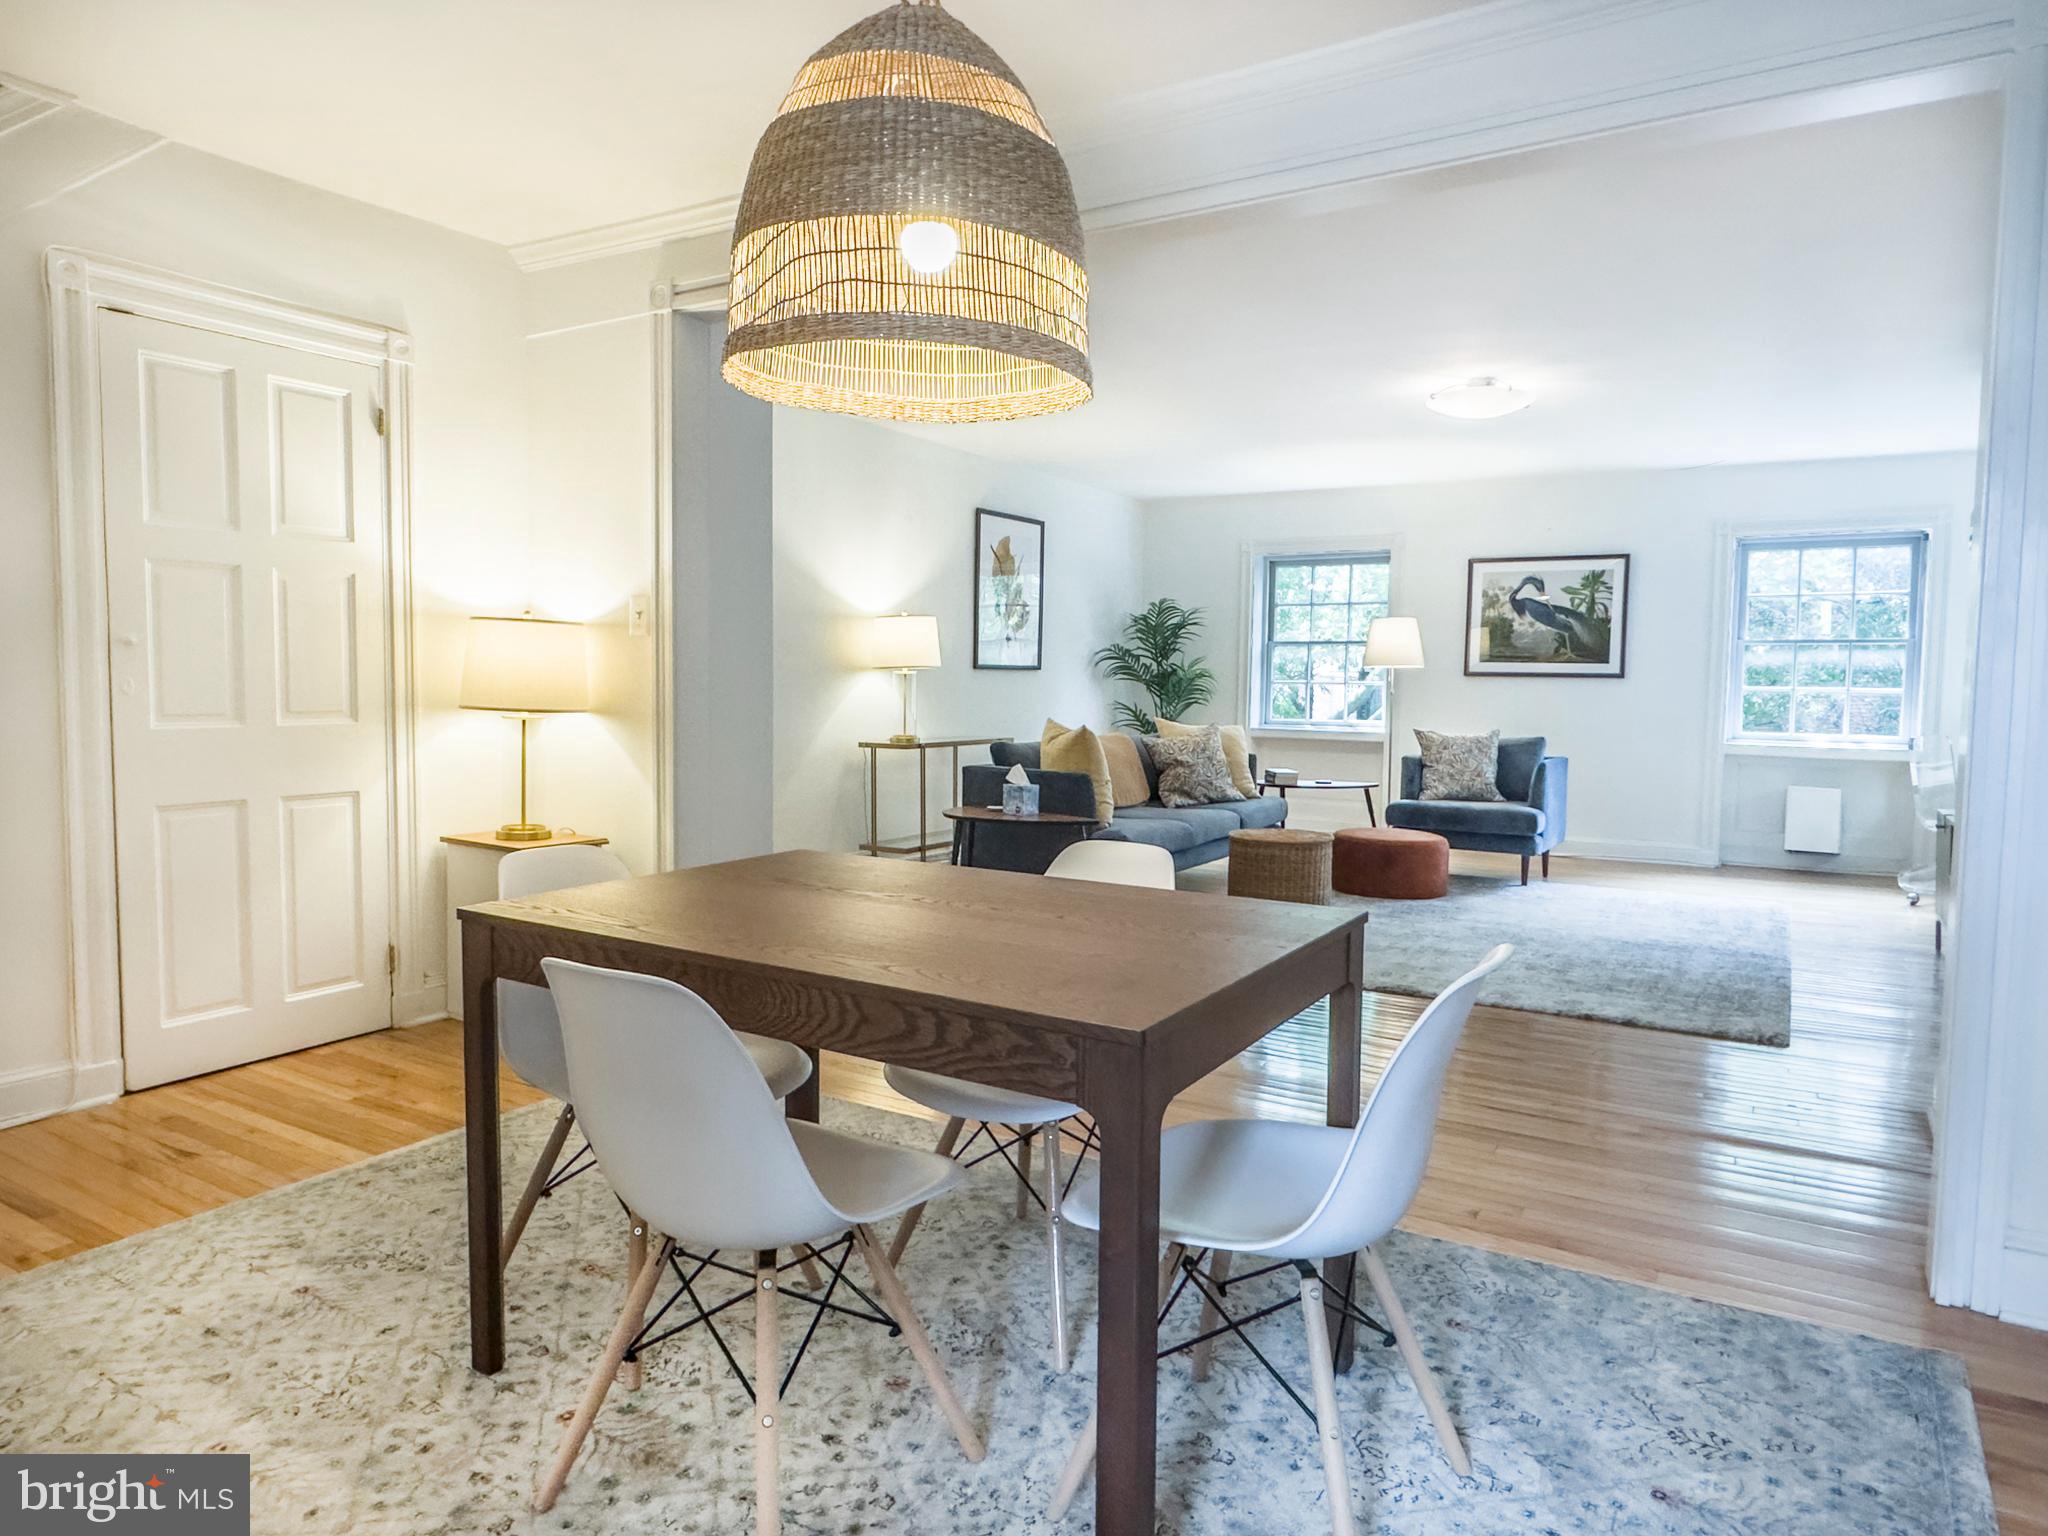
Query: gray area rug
pixel 1695 967
pixel 321 1329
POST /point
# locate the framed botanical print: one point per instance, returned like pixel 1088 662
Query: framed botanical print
pixel 1547 616
pixel 1009 592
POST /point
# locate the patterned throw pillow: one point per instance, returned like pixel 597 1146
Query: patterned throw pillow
pixel 1191 768
pixel 1460 767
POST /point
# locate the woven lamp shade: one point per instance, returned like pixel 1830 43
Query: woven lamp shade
pixel 909 118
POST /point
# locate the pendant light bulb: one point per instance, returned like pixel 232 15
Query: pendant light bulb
pixel 928 246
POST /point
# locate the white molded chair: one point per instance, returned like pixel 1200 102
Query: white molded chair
pixel 1298 1193
pixel 530 1034
pixel 692 1139
pixel 1109 862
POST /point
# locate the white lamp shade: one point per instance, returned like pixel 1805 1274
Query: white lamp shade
pixel 1393 643
pixel 902 642
pixel 526 667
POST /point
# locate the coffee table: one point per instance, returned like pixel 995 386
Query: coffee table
pixel 1368 785
pixel 966 818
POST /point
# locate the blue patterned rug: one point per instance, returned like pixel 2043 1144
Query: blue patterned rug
pixel 320 1328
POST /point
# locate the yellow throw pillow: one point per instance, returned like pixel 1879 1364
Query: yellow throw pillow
pixel 1076 749
pixel 1237 752
pixel 1127 782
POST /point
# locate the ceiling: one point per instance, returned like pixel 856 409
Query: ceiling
pixel 517 120
pixel 1816 292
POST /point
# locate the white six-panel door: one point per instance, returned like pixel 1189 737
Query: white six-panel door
pixel 247 646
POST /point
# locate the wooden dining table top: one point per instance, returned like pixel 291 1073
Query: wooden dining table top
pixel 1068 955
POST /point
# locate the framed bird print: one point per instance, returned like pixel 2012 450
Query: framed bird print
pixel 1547 616
pixel 1009 592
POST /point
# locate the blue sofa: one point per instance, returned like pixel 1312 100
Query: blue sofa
pixel 1196 834
pixel 1529 820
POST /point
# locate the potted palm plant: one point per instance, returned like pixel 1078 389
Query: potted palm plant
pixel 1150 655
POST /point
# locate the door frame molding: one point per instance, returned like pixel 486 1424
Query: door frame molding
pixel 79 284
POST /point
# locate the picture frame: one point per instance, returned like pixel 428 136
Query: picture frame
pixel 1009 592
pixel 1547 616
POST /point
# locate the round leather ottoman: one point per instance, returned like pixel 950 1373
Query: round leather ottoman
pixel 1391 861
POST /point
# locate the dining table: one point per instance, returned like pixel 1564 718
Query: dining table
pixel 1115 998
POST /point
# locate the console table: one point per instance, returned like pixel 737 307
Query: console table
pixel 927 841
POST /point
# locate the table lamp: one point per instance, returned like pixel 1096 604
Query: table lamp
pixel 905 643
pixel 526 667
pixel 1394 645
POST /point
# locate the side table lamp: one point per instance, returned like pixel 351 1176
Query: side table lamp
pixel 526 667
pixel 904 643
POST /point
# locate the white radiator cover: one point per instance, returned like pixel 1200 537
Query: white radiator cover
pixel 1813 819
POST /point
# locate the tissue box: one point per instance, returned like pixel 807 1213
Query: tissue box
pixel 1020 799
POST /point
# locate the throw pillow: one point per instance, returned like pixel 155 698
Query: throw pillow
pixel 1237 752
pixel 1459 767
pixel 1127 782
pixel 1191 769
pixel 1076 749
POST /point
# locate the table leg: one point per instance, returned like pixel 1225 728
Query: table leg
pixel 480 1120
pixel 1347 1030
pixel 874 804
pixel 1127 1340
pixel 802 1103
pixel 1371 815
pixel 924 758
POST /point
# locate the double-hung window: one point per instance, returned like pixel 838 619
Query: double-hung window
pixel 1828 636
pixel 1314 614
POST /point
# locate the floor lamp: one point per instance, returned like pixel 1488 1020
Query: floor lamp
pixel 1393 645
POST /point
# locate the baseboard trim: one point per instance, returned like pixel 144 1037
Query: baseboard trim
pixel 1765 856
pixel 2023 1282
pixel 421 1005
pixel 1631 852
pixel 36 1092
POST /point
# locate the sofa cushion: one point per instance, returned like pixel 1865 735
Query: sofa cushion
pixel 1459 767
pixel 1077 749
pixel 1192 769
pixel 1156 825
pixel 1516 769
pixel 1205 823
pixel 1008 754
pixel 1261 811
pixel 1129 783
pixel 1493 818
pixel 1237 750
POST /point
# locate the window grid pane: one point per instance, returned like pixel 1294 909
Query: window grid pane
pixel 1822 639
pixel 1318 613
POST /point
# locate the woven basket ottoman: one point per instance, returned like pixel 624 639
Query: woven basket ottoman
pixel 1281 864
pixel 1391 861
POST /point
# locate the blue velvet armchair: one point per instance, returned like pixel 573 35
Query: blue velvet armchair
pixel 1527 820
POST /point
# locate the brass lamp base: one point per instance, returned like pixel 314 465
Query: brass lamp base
pixel 524 832
pixel 901 739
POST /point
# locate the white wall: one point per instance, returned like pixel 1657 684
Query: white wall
pixel 870 520
pixel 1646 749
pixel 486 536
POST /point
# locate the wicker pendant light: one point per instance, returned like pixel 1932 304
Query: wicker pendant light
pixel 908 245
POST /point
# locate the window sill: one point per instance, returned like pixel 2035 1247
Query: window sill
pixel 1322 733
pixel 1814 751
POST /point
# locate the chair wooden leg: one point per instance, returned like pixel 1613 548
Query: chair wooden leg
pixel 1546 865
pixel 631 1320
pixel 767 1405
pixel 537 1181
pixel 897 1300
pixel 1053 1224
pixel 1082 1457
pixel 1219 1272
pixel 807 1266
pixel 1024 1178
pixel 948 1139
pixel 1418 1368
pixel 630 1373
pixel 1328 1434
pixel 1525 869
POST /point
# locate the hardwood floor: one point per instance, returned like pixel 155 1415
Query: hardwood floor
pixel 1794 1181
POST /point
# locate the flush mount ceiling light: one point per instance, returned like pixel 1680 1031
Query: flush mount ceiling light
pixel 908 244
pixel 1480 399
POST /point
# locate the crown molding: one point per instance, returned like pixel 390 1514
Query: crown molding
pixel 712 218
pixel 1493 79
